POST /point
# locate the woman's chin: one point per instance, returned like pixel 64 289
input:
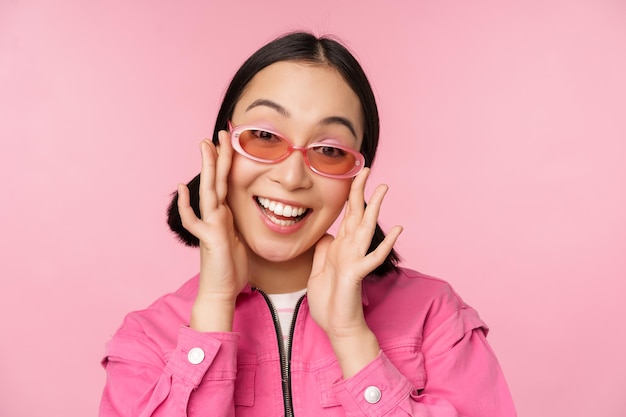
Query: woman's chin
pixel 281 253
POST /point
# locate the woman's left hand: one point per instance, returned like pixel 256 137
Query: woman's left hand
pixel 339 266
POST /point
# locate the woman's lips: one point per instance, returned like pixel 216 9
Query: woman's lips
pixel 282 214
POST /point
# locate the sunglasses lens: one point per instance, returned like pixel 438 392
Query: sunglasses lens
pixel 263 145
pixel 332 160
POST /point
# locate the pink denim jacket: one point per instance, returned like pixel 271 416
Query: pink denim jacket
pixel 434 360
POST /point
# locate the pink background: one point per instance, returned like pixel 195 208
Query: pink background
pixel 503 142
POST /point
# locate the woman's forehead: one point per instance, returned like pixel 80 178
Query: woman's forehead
pixel 302 91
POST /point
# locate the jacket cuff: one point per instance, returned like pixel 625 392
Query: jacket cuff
pixel 374 390
pixel 196 352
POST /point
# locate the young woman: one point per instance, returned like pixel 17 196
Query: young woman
pixel 284 319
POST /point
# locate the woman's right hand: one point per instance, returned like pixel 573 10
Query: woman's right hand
pixel 223 261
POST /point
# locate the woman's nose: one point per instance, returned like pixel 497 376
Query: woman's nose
pixel 293 172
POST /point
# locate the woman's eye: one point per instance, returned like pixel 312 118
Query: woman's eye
pixel 264 135
pixel 331 151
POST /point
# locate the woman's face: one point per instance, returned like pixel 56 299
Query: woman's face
pixel 304 103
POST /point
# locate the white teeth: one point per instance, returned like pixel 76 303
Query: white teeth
pixel 282 222
pixel 281 209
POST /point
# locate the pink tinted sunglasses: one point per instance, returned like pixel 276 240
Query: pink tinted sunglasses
pixel 264 145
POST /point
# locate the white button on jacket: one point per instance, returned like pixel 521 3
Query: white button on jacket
pixel 372 394
pixel 195 355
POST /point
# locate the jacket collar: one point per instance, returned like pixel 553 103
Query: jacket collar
pixel 247 289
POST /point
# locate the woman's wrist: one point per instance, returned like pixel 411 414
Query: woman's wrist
pixel 355 351
pixel 212 315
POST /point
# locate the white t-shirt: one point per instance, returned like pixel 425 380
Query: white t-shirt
pixel 285 305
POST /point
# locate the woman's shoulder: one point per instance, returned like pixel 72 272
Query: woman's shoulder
pixel 168 311
pixel 413 285
pixel 411 298
pixel 151 334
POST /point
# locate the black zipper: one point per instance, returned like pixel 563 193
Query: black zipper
pixel 285 359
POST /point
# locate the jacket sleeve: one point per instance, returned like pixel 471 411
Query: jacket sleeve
pixel 142 381
pixel 463 378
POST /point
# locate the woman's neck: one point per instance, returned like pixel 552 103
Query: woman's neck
pixel 280 277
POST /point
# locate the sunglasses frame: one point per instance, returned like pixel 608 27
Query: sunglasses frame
pixel 235 132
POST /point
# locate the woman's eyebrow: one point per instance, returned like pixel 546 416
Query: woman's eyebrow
pixel 339 120
pixel 283 111
pixel 271 104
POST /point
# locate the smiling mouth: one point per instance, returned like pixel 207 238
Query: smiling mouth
pixel 281 214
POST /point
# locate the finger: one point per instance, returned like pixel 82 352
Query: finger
pixel 376 257
pixel 370 217
pixel 208 199
pixel 355 205
pixel 187 215
pixel 365 231
pixel 224 162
